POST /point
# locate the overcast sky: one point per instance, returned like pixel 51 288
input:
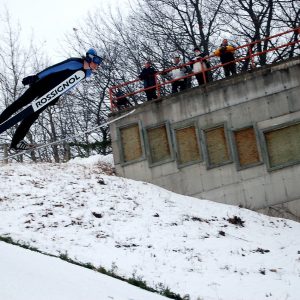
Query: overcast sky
pixel 50 20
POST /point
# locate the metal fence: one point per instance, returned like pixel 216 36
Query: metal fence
pixel 247 54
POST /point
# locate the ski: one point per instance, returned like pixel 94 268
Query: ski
pixel 67 138
pixel 39 103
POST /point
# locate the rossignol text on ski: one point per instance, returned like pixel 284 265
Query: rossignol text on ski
pixel 59 90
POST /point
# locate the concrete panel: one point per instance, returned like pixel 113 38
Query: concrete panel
pixel 220 116
pixel 171 182
pixel 156 172
pixel 231 194
pixel 138 171
pixel 291 180
pixel 239 116
pixel 229 175
pixel 239 94
pixel 287 118
pixel 113 133
pixel 191 179
pixel 216 101
pixel 288 210
pixel 195 106
pixel 255 193
pixel 277 105
pixel 274 189
pixel 253 172
pixel 293 99
pixel 216 195
pixel 211 179
pixel 205 120
pixel 289 74
pixel 116 152
pixel 258 110
pixel 234 194
pixel 251 88
pixel 169 168
pixel 164 169
pixel 120 171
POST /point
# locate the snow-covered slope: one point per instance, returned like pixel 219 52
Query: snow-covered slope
pixel 192 246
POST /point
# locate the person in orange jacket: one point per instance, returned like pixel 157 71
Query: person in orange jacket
pixel 226 54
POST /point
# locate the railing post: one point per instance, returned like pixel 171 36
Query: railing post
pixel 157 86
pixel 112 106
pixel 67 151
pixel 251 56
pixel 203 71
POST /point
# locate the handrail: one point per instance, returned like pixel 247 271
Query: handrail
pixel 251 55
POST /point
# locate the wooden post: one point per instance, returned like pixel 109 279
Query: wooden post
pixel 67 151
pixel 5 153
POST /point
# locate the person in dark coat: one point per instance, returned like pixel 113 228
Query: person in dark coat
pixel 148 76
pixel 121 101
pixel 42 83
pixel 226 54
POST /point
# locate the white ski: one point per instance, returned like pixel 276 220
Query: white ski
pixel 60 89
pixel 67 138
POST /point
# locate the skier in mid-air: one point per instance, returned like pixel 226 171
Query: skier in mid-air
pixel 39 85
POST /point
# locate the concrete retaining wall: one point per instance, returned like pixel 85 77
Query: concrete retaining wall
pixel 266 98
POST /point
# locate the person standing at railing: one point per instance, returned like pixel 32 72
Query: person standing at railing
pixel 148 76
pixel 226 54
pixel 200 66
pixel 177 74
pixel 121 101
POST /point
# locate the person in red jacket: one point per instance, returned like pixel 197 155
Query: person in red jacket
pixel 226 54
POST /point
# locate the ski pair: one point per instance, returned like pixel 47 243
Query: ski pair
pixel 39 103
pixel 68 138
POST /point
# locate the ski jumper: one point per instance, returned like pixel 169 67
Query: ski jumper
pixel 46 80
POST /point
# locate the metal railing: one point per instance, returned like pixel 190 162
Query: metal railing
pixel 160 81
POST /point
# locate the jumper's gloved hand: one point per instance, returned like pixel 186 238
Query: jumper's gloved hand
pixel 29 80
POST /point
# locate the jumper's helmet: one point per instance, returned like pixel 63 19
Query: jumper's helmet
pixel 92 56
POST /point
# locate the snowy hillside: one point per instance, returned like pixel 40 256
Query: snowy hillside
pixel 137 230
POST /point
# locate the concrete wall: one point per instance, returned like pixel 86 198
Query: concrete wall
pixel 263 98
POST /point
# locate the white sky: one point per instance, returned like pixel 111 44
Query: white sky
pixel 50 20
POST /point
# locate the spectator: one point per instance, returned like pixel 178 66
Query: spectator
pixel 121 101
pixel 226 54
pixel 178 73
pixel 148 76
pixel 200 66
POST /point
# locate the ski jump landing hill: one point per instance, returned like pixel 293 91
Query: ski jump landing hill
pixel 234 141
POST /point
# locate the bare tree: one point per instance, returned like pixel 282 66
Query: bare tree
pixel 15 61
pixel 254 20
pixel 288 16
